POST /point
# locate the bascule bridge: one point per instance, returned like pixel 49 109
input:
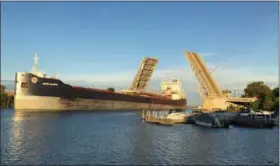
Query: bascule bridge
pixel 211 95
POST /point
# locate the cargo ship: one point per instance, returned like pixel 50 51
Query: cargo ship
pixel 35 91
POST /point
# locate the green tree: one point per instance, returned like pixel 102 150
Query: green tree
pixel 256 105
pixel 257 89
pixel 275 98
pixel 275 105
pixel 266 102
pixel 276 91
pixel 267 99
pixel 111 89
pixel 4 99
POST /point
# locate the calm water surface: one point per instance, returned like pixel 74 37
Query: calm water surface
pixel 123 138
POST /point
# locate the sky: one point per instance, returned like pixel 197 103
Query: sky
pixel 101 44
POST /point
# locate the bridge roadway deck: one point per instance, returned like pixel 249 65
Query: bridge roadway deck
pixel 240 100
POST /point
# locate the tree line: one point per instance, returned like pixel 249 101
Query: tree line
pixel 6 100
pixel 267 98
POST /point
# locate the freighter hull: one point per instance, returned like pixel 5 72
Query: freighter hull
pixel 56 103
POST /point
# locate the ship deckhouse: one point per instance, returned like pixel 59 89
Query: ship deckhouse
pixel 173 88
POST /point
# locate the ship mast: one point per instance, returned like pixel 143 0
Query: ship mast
pixel 34 69
pixel 57 75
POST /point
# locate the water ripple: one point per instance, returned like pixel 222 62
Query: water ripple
pixel 122 138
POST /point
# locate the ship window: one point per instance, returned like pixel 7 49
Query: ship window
pixel 24 85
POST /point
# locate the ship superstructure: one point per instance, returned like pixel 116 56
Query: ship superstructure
pixel 173 89
pixel 36 91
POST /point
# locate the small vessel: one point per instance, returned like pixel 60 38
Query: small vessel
pixel 166 117
pixel 193 114
pixel 251 118
pixel 210 120
pixel 178 116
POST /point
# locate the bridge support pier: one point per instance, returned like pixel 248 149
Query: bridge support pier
pixel 214 103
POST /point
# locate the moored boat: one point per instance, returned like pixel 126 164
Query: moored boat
pixel 253 119
pixel 210 120
pixel 178 116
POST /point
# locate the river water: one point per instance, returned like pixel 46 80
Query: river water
pixel 122 137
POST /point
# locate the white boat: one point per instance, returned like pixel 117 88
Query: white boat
pixel 178 115
pixel 256 119
pixel 251 112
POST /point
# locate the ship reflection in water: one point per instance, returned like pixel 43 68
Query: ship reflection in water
pixel 123 138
